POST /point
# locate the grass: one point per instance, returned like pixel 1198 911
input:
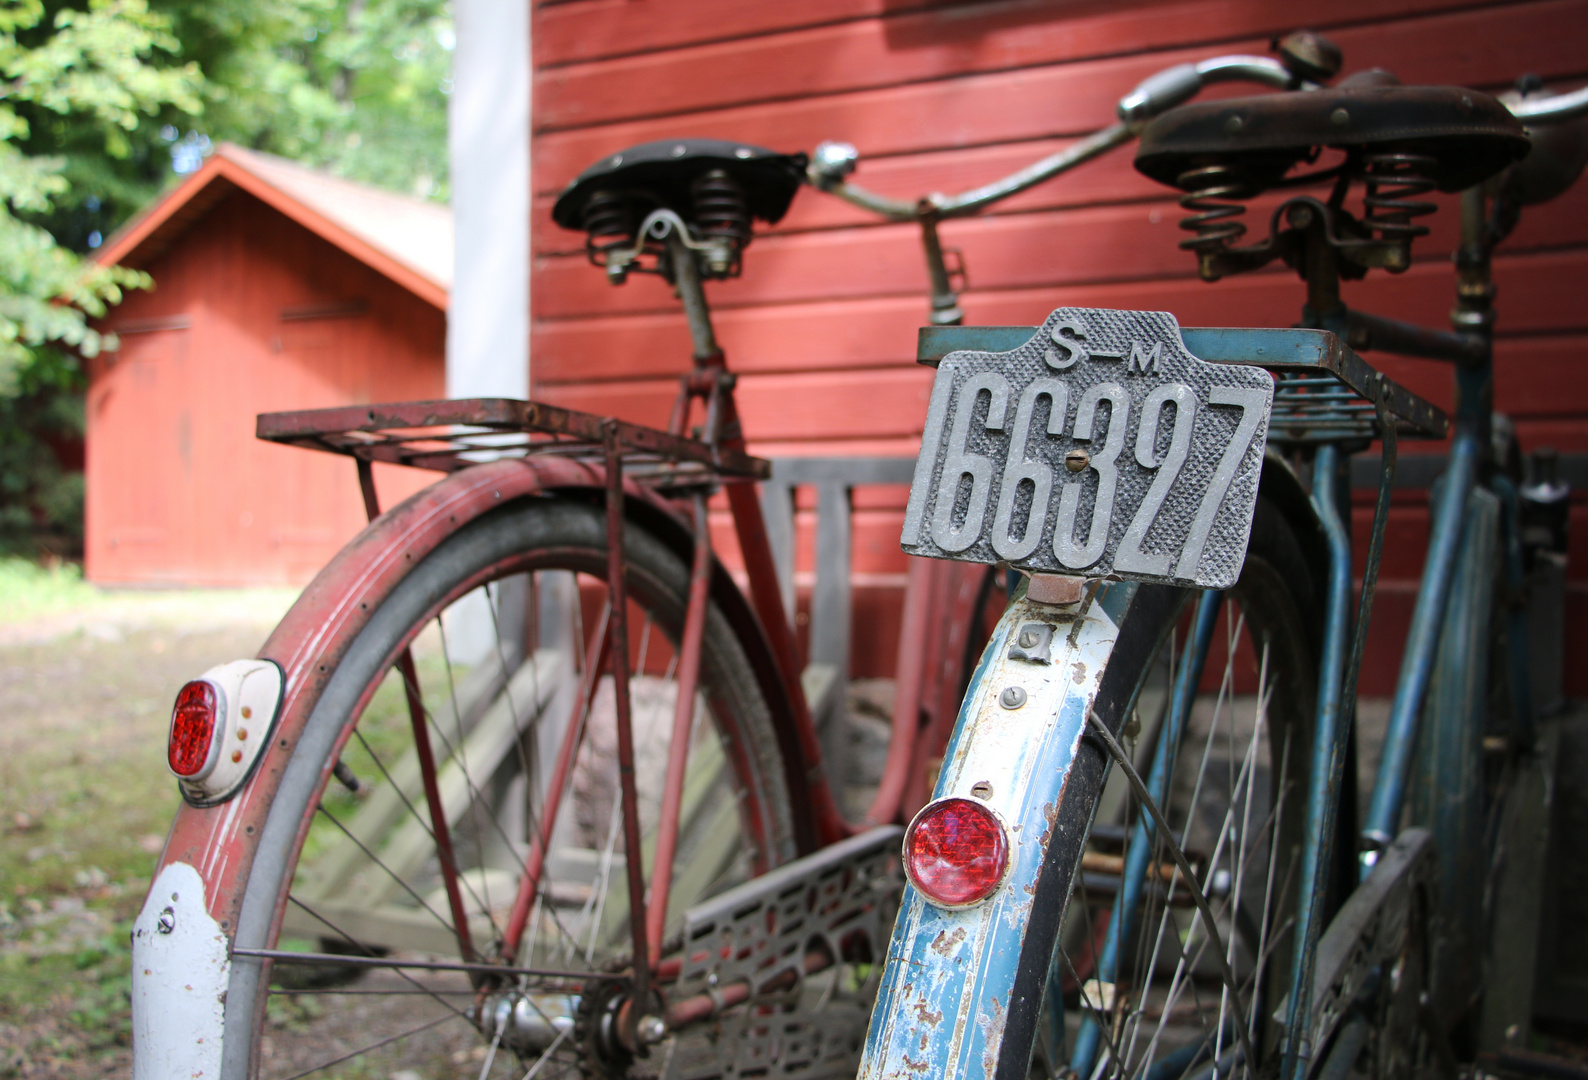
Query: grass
pixel 28 589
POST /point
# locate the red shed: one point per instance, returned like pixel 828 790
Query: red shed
pixel 276 287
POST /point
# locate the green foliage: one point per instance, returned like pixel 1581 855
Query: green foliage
pixel 90 65
pixel 41 501
pixel 105 102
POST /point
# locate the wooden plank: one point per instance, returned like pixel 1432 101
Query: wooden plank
pixel 1063 247
pixel 584 30
pixel 1071 99
pixel 880 402
pixel 934 44
pixel 1538 294
pixel 1109 180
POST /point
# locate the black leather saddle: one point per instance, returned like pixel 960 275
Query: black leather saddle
pixel 1467 136
pixel 665 172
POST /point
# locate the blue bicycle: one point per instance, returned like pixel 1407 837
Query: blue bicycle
pixel 1143 857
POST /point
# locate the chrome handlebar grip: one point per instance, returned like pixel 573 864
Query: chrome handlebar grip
pixel 1161 92
pixel 1551 110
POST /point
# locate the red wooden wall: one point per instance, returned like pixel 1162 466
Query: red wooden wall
pixel 944 96
pixel 251 313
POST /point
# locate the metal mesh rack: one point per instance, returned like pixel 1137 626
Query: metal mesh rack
pixel 1324 392
pixel 454 434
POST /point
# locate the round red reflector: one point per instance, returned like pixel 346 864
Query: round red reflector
pixel 192 729
pixel 956 852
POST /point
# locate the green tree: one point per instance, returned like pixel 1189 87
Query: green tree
pixel 90 66
pixel 105 102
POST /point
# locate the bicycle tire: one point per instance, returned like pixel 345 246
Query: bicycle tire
pixel 1278 599
pixel 528 535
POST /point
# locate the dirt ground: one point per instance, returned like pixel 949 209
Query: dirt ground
pixel 85 801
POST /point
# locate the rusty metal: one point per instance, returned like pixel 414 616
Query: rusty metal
pixel 678 751
pixel 449 435
pixel 618 662
pixel 427 758
pixel 595 659
pixel 1059 589
pixel 908 678
pixel 438 810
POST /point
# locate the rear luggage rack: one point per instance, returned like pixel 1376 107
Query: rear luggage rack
pixel 453 434
pixel 1324 391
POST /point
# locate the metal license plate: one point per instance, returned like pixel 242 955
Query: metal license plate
pixel 1100 447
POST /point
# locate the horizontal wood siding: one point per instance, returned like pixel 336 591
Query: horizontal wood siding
pixel 942 97
pixel 272 317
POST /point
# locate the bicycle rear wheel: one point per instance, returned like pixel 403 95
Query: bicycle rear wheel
pixel 1134 968
pixel 352 861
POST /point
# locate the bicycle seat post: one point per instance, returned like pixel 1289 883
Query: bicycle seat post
pixel 692 294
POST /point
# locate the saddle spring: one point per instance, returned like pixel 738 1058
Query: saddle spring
pixel 722 220
pixel 1393 180
pixel 1215 196
pixel 609 222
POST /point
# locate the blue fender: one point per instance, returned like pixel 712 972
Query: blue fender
pixel 955 983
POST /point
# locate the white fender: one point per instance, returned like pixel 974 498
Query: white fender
pixel 180 966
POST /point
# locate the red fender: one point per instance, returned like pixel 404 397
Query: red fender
pixel 219 841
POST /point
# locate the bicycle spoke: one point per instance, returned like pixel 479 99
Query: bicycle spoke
pixel 374 1046
pixel 389 871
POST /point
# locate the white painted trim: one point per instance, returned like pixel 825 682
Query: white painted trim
pixel 179 971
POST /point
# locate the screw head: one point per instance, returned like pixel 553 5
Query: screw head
pixel 1013 697
pixel 652 1029
pixel 167 921
pixel 1028 639
pixel 1077 459
pixel 982 790
pixel 1339 118
pixel 1233 125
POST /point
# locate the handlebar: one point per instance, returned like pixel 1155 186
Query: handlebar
pixel 1156 94
pixel 1306 61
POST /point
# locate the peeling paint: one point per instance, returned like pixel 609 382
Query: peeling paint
pixel 1050 814
pixel 913 1065
pixel 927 1016
pixel 946 942
pixel 993 1032
pixel 1080 673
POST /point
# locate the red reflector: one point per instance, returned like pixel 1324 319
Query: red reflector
pixel 192 729
pixel 956 852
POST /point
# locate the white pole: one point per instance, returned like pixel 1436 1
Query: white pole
pixel 488 313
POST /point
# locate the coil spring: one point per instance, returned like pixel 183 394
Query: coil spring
pixel 609 222
pixel 722 214
pixel 1393 179
pixel 1213 193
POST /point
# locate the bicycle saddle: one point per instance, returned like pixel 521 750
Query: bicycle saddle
pixel 1467 136
pixel 666 172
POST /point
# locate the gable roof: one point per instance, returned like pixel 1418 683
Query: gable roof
pixel 406 239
